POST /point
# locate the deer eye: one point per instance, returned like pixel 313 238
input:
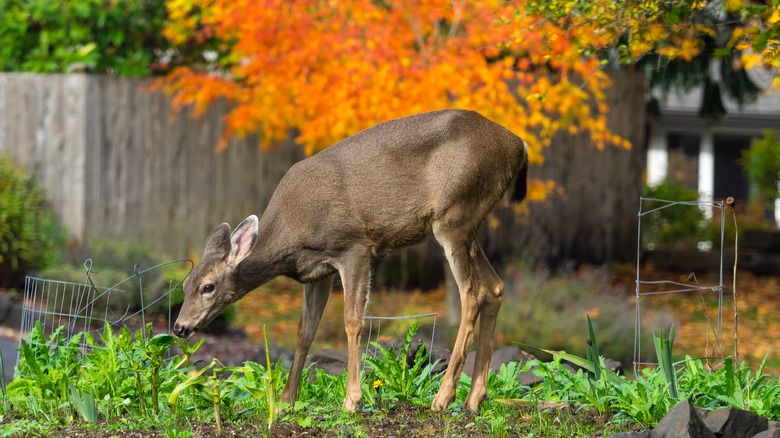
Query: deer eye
pixel 209 288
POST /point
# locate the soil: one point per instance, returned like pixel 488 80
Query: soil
pixel 401 420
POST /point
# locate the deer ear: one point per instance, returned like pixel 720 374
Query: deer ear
pixel 243 240
pixel 218 242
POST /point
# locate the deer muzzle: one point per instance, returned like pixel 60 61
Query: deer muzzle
pixel 181 331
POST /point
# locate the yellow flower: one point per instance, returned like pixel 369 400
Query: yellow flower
pixel 377 384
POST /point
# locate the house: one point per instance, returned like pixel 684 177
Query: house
pixel 703 154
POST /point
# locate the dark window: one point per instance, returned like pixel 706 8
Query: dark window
pixel 683 159
pixel 730 179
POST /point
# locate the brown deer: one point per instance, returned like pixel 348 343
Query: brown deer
pixel 384 188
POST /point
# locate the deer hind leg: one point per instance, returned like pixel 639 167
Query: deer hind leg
pixel 315 297
pixel 355 272
pixel 488 313
pixel 474 285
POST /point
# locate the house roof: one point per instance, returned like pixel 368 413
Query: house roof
pixel 683 108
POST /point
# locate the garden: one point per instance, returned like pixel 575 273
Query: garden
pixel 149 121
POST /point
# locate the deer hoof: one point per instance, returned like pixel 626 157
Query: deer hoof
pixel 350 405
pixel 440 403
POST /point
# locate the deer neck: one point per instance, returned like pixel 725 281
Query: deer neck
pixel 269 258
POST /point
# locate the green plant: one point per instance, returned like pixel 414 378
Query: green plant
pixel 215 389
pixel 663 350
pixel 85 404
pixel 155 350
pixel 46 367
pixel 100 36
pixel 30 237
pixel 537 296
pixel 761 162
pixel 398 381
pixel 673 226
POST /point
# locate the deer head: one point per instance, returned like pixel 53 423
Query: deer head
pixel 216 281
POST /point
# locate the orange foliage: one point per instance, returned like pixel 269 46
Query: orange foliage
pixel 333 68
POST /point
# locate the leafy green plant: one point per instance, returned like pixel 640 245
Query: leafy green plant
pixel 98 35
pixel 156 349
pixel 47 365
pixel 675 226
pixel 30 236
pixel 398 381
pixel 537 296
pixel 214 388
pixel 762 165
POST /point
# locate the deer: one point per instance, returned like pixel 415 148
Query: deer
pixel 392 185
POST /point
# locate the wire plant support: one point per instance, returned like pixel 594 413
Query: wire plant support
pixel 379 320
pixel 645 288
pixel 85 307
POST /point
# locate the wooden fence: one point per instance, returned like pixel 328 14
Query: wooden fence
pixel 115 165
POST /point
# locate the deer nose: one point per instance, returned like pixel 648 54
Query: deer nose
pixel 180 331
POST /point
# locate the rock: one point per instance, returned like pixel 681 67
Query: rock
pixel 642 434
pixel 773 431
pixel 331 361
pixel 613 365
pixel 14 317
pixel 682 421
pixel 275 353
pixel 500 357
pixel 5 307
pixel 735 423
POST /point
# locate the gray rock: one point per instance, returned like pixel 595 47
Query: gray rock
pixel 735 423
pixel 682 421
pixel 275 353
pixel 642 434
pixel 14 317
pixel 773 431
pixel 500 357
pixel 331 361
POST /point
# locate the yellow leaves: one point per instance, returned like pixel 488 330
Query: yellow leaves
pixel 539 190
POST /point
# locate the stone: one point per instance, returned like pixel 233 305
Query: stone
pixel 331 361
pixel 773 431
pixel 682 421
pixel 500 357
pixel 275 353
pixel 735 423
pixel 642 434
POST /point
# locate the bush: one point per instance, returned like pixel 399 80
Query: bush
pixel 113 262
pixel 547 308
pixel 101 36
pixel 762 165
pixel 676 226
pixel 30 236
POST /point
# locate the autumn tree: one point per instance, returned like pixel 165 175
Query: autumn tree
pixel 331 69
pixel 680 43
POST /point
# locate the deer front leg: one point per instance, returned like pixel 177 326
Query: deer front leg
pixel 315 297
pixel 464 270
pixel 355 277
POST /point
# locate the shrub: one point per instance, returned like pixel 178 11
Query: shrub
pixel 101 36
pixel 30 236
pixel 675 226
pixel 762 165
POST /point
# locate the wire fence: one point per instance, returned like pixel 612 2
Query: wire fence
pixel 648 288
pixel 86 307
